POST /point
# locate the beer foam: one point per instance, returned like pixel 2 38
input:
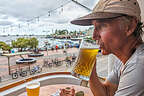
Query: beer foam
pixel 33 85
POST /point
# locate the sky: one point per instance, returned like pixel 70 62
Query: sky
pixel 40 17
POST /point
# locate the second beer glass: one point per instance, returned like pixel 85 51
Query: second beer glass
pixel 33 89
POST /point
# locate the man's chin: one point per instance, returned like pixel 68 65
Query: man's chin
pixel 104 52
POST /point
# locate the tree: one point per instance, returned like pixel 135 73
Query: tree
pixel 20 43
pixel 61 32
pixel 33 43
pixel 5 46
pixel 23 43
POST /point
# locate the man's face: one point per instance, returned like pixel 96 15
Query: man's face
pixel 110 35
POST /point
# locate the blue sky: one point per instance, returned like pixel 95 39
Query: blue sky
pixel 33 16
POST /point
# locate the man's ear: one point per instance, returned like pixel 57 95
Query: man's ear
pixel 132 26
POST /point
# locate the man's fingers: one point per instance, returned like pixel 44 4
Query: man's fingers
pixel 94 67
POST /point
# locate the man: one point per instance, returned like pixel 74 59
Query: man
pixel 56 47
pixel 118 30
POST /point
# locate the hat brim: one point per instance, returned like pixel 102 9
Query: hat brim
pixel 87 20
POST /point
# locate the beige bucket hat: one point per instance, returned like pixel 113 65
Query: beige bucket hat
pixel 110 9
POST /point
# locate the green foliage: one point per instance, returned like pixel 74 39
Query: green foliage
pixel 33 42
pixel 75 33
pixel 25 43
pixel 61 32
pixel 20 43
pixel 89 39
pixel 5 46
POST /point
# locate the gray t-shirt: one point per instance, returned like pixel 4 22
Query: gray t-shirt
pixel 131 81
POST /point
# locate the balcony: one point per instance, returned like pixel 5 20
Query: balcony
pixel 50 74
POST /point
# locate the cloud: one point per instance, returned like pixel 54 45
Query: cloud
pixel 3 16
pixel 60 20
pixel 5 23
pixel 17 12
pixel 31 8
pixel 90 4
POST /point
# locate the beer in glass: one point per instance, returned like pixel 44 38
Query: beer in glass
pixel 85 60
pixel 33 89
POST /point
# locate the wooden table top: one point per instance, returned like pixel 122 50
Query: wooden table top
pixel 51 89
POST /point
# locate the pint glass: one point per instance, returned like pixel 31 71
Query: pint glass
pixel 33 89
pixel 85 60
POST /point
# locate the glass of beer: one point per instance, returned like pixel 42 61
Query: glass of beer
pixel 33 89
pixel 86 59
